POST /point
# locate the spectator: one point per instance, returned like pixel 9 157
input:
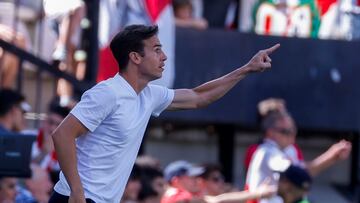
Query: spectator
pixel 181 176
pixel 294 185
pixel 153 185
pixel 8 189
pixel 68 16
pixel 12 109
pixel 9 63
pixel 133 186
pixel 212 186
pixel 43 152
pixel 212 180
pixel 183 12
pixel 271 155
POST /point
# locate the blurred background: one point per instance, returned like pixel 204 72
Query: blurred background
pixel 58 49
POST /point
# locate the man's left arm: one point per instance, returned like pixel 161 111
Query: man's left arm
pixel 213 90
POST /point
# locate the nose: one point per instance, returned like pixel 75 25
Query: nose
pixel 164 57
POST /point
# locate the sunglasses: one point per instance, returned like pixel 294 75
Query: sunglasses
pixel 216 179
pixel 285 131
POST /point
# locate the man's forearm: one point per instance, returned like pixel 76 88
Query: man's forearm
pixel 215 89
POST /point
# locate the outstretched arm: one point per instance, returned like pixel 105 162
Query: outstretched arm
pixel 211 91
pixel 338 151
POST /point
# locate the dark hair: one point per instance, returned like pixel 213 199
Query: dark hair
pixel 130 40
pixel 210 168
pixel 55 107
pixel 148 176
pixel 8 99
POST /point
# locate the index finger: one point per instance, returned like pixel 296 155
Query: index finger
pixel 272 49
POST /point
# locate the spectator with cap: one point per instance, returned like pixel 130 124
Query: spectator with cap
pixel 183 187
pixel 294 184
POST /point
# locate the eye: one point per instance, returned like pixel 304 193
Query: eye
pixel 158 50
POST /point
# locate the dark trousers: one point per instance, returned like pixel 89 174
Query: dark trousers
pixel 59 198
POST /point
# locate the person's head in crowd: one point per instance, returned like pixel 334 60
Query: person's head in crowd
pixel 294 184
pixel 12 109
pixel 182 9
pixel 212 180
pixel 133 185
pixel 280 127
pixel 153 185
pixel 8 190
pixel 56 113
pixel 183 175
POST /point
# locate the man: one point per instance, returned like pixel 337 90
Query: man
pixel 43 152
pixel 273 154
pixel 109 121
pixel 183 186
pixel 12 109
pixel 8 189
pixel 294 184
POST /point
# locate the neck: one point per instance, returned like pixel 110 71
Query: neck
pixel 132 76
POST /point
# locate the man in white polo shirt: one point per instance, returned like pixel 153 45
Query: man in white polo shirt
pixel 97 143
pixel 274 155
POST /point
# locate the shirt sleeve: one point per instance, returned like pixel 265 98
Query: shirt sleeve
pixel 161 97
pixel 95 105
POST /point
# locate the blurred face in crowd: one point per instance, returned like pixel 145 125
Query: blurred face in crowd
pixel 51 123
pixel 188 183
pixel 8 190
pixel 213 184
pixel 159 185
pixel 284 132
pixel 132 189
pixel 18 119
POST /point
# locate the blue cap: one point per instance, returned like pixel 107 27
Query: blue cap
pixel 298 176
pixel 181 168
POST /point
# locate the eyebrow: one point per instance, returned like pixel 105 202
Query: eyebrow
pixel 157 45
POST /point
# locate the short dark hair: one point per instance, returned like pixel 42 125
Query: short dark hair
pixel 8 99
pixel 130 40
pixel 209 169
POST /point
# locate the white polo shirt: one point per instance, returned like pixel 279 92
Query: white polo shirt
pixel 266 162
pixel 116 118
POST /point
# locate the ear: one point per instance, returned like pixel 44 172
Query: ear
pixel 135 57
